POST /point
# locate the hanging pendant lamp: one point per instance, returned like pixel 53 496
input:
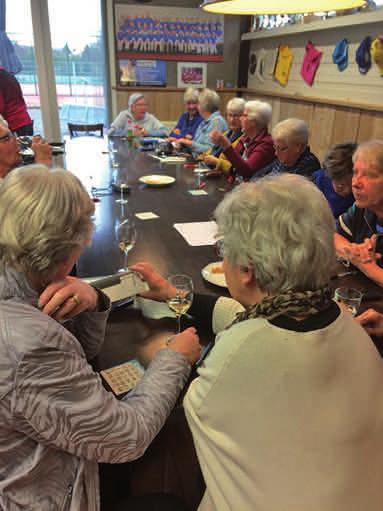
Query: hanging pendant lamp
pixel 254 7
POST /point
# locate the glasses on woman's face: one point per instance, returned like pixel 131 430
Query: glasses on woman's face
pixel 230 115
pixel 7 137
pixel 280 148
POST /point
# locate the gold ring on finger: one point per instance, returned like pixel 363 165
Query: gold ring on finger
pixel 76 299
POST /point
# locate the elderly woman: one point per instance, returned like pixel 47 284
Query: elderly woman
pixel 334 179
pixel 189 120
pixel 137 120
pixel 10 150
pixel 216 158
pixel 291 138
pixel 255 148
pixel 56 419
pixel 278 412
pixel 209 110
pixel 360 228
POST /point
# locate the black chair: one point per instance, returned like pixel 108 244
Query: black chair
pixel 76 130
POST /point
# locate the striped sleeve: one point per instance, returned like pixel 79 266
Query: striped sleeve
pixel 60 401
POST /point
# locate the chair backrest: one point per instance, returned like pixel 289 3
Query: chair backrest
pixel 76 130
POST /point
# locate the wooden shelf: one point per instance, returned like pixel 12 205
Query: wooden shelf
pixel 329 24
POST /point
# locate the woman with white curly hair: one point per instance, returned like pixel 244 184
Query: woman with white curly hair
pixel 255 147
pixel 290 398
pixel 56 419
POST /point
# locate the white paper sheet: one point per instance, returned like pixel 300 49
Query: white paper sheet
pixel 198 234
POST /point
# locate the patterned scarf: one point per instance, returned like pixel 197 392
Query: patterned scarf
pixel 291 303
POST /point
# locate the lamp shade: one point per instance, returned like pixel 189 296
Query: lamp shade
pixel 253 7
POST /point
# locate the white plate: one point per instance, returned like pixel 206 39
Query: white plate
pixel 214 278
pixel 157 180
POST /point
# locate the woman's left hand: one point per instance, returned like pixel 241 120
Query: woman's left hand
pixel 67 298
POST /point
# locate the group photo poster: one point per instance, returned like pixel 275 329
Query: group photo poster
pixel 191 74
pixel 168 33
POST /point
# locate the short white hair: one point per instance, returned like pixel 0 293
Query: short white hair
pixel 236 105
pixel 281 226
pixel 45 215
pixel 291 130
pixel 371 153
pixel 259 111
pixel 209 100
pixel 191 95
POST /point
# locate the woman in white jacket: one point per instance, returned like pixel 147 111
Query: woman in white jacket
pixel 287 410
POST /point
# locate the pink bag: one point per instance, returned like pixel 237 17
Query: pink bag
pixel 310 63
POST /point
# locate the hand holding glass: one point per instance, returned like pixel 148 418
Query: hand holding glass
pixel 181 302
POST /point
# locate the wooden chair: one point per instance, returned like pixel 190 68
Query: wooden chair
pixel 76 130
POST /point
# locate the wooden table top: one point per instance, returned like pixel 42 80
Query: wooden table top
pixel 158 242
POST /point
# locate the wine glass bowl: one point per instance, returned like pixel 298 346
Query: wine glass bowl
pixel 181 302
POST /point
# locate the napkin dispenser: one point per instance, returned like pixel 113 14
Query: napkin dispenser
pixel 120 287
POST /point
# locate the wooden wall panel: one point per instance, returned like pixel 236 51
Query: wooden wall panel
pixel 370 126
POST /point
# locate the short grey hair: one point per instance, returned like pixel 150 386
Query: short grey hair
pixel 45 215
pixel 209 100
pixel 259 111
pixel 236 105
pixel 191 95
pixel 281 226
pixel 291 130
pixel 338 161
pixel 371 153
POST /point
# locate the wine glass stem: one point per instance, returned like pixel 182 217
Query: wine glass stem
pixel 122 194
pixel 179 323
pixel 125 261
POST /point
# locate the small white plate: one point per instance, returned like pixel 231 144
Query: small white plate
pixel 214 278
pixel 157 180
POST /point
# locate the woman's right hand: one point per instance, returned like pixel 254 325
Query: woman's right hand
pixel 159 287
pixel 186 343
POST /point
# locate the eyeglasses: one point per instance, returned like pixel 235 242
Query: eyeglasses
pixel 6 138
pixel 234 116
pixel 281 149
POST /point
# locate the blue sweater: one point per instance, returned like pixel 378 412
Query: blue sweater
pixel 337 203
pixel 201 141
pixel 187 126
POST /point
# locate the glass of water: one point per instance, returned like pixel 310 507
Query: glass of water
pixel 348 298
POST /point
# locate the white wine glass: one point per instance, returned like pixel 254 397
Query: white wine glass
pixel 126 235
pixel 181 302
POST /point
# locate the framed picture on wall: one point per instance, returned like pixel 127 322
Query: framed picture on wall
pixel 151 73
pixel 168 33
pixel 191 74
